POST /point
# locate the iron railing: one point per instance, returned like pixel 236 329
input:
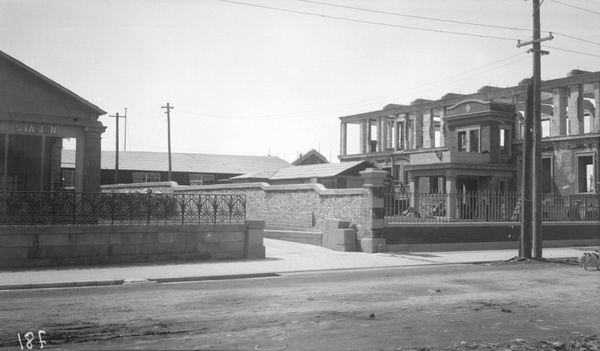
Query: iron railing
pixel 487 207
pixel 54 208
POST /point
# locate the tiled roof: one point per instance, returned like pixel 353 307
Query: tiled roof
pixel 184 162
pixel 318 171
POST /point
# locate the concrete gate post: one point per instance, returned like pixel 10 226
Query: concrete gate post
pixel 373 211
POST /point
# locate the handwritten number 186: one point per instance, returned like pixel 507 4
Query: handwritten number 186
pixel 30 338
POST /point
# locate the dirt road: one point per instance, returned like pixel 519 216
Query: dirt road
pixel 495 306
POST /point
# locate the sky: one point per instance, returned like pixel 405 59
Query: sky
pixel 272 77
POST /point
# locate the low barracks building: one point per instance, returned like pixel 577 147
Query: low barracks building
pixel 36 113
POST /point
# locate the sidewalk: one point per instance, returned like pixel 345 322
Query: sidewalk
pixel 282 257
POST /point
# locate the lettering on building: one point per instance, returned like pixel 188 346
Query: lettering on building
pixel 36 129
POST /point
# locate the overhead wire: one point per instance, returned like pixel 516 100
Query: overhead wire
pixel 576 7
pixel 387 97
pixel 416 17
pixel 371 22
pixel 575 38
pixel 571 51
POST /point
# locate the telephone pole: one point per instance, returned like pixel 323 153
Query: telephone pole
pixel 534 156
pixel 117 145
pixel 168 107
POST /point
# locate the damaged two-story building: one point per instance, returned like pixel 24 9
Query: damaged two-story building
pixel 472 143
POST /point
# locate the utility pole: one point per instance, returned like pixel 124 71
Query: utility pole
pixel 168 107
pixel 535 154
pixel 117 145
pixel 125 134
pixel 527 179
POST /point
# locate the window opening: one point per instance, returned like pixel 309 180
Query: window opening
pixel 202 179
pixel 142 177
pixel 585 173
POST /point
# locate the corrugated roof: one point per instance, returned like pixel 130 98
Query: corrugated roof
pixel 184 162
pixel 316 171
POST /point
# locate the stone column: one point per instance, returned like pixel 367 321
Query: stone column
pixel 428 130
pixel 373 209
pixel 596 117
pixel 418 130
pixel 442 127
pixel 576 110
pixel 407 132
pixel 558 124
pixel 91 163
pixel 343 139
pixel 364 136
pixel 397 136
pixel 389 135
pixel 380 133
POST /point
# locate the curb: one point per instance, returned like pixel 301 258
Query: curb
pixel 71 284
pixel 214 277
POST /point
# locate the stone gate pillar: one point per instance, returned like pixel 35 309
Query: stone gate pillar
pixel 373 211
pixel 91 166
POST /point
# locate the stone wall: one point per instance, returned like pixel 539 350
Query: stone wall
pixel 292 206
pixel 30 246
pixel 482 236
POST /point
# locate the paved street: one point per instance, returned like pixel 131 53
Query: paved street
pixel 364 309
pixel 282 256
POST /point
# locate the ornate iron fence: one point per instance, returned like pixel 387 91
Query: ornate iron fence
pixel 487 207
pixel 53 208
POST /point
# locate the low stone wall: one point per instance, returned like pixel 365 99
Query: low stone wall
pixel 483 236
pixel 292 206
pixel 30 246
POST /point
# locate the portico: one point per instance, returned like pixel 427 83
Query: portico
pixel 36 114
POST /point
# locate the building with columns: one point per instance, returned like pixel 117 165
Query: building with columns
pixel 36 113
pixel 474 142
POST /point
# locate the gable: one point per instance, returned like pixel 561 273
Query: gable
pixel 25 91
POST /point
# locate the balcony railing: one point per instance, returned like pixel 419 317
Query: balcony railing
pixel 61 208
pixel 487 207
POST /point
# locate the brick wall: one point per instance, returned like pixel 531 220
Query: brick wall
pixel 298 205
pixel 29 246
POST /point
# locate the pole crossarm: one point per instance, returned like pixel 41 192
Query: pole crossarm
pixel 535 41
pixel 542 52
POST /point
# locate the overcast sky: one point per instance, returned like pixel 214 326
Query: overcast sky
pixel 253 77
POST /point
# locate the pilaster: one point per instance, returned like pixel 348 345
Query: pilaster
pixel 575 109
pixel 558 124
pixel 371 233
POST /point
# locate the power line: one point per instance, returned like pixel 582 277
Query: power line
pixel 417 17
pixel 413 90
pixel 575 38
pixel 593 2
pixel 571 51
pixel 576 7
pixel 371 22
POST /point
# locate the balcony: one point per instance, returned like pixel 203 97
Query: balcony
pixel 429 158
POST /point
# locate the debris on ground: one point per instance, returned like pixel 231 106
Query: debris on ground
pixel 575 343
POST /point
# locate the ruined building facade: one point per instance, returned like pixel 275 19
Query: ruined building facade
pixel 474 142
